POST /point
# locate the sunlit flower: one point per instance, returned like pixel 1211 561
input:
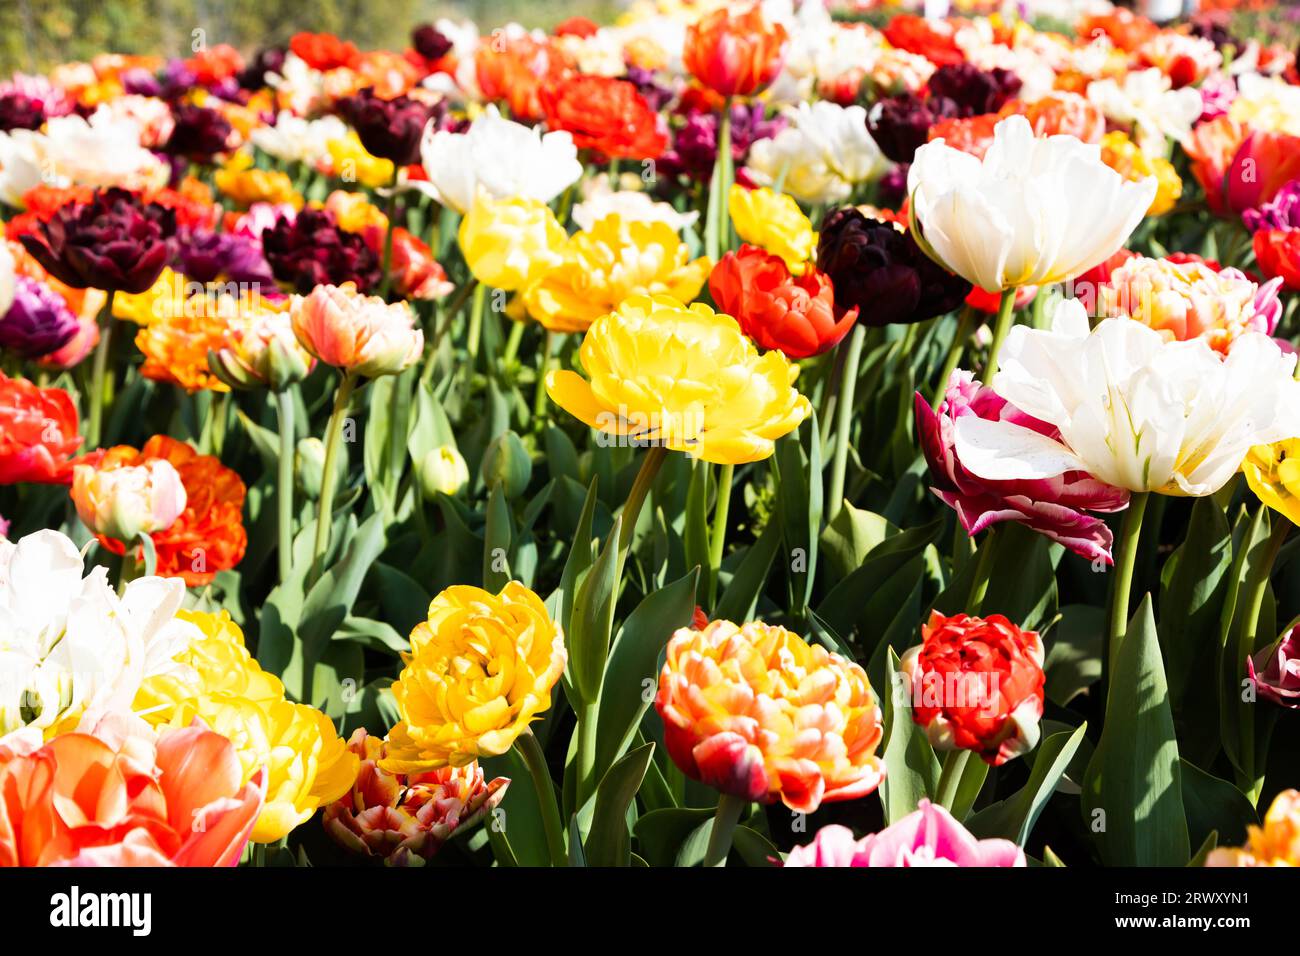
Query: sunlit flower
pixel 481 669
pixel 511 243
pixel 243 183
pixel 606 264
pixel 773 221
pixel 1276 843
pixel 360 334
pixel 1273 473
pixel 38 433
pixel 683 377
pixel 259 349
pixel 756 712
pixel 350 161
pixel 127 502
pixel 734 53
pixel 1147 105
pixel 1122 155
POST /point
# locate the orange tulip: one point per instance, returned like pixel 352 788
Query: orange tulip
pixel 1061 112
pixel 735 54
pixel 121 797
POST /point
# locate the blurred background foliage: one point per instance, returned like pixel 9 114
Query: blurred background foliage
pixel 38 34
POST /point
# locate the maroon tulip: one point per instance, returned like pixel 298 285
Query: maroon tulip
pixel 880 270
pixel 199 133
pixel 310 250
pixel 1275 671
pixel 389 129
pixel 900 125
pixel 975 91
pixel 430 42
pixel 114 242
pixel 18 111
pixel 1051 506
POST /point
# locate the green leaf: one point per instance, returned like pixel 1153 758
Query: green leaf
pixel 1132 790
pixel 799 498
pixel 754 848
pixel 851 536
pixel 740 599
pixel 844 607
pixel 695 532
pixel 1023 581
pixel 577 853
pixel 911 769
pixel 577 563
pixel 498 535
pixel 373 634
pixel 523 817
pixel 1215 806
pixel 593 620
pixel 660 834
pixel 608 841
pixel 1074 649
pixel 1207 847
pixel 431 428
pixel 633 658
pixel 1014 817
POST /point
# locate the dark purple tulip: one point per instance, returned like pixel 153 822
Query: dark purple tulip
pixel 310 250
pixel 114 243
pixel 199 134
pixel 267 60
pixel 138 81
pixel 390 129
pixel 430 42
pixel 206 256
pixel 695 144
pixel 18 111
pixel 1275 671
pixel 901 124
pixel 1280 212
pixel 892 188
pixel 1051 506
pixel 39 321
pixel 975 91
pixel 881 270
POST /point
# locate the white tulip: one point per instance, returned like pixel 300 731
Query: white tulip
pixel 630 205
pixel 1133 409
pixel 69 646
pixel 1150 106
pixel 7 279
pixel 824 152
pixel 1033 211
pixel 509 160
pixel 298 140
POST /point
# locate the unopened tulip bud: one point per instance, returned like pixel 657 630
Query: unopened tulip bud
pixel 507 463
pixel 261 351
pixel 128 501
pixel 443 470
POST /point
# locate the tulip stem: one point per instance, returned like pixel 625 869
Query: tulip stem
pixel 979 586
pixel 843 416
pixel 1125 561
pixel 1250 780
pixel 284 486
pixel 444 322
pixel 476 322
pixel 730 809
pixel 717 221
pixel 650 465
pixel 333 439
pixel 531 751
pixel 1006 315
pixel 94 427
pixel 539 396
pixel 954 767
pixel 584 769
pixel 719 535
pixel 955 353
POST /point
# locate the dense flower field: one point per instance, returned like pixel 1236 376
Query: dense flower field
pixel 734 436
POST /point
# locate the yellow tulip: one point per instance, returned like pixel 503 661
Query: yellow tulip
pixel 351 163
pixel 663 373
pixel 165 299
pixel 511 243
pixel 1273 473
pixel 480 670
pixel 244 184
pixel 308 765
pixel 1125 157
pixel 606 264
pixel 775 222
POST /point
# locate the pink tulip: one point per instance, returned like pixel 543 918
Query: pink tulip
pixel 929 837
pixel 358 333
pixel 1051 506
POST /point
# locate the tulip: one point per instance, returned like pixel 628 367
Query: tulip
pixel 38 322
pixel 260 350
pixel 215 680
pixel 362 335
pixel 759 714
pixel 604 265
pixel 402 818
pixel 794 314
pixel 1126 158
pixel 901 124
pixel 129 501
pixel 208 536
pixel 114 243
pixel 126 799
pixel 38 433
pixel 1146 105
pixel 878 269
pixel 309 250
pixel 503 158
pixel 1134 410
pixel 391 129
pixel 199 133
pixel 19 111
pixel 773 221
pixel 506 464
pixel 977 684
pixel 1276 228
pixel 107 645
pixel 734 54
pixel 1191 300
pixel 931 836
pixel 1273 473
pixel 686 378
pixel 481 669
pixel 605 115
pixel 1033 211
pixel 974 90
pixel 1053 507
pixel 630 206
pixel 822 156
pixel 442 471
pixel 1276 843
pixel 1274 672
pixel 510 243
pixel 1059 112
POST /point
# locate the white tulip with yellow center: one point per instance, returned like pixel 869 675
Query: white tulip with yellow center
pixel 1033 211
pixel 1133 409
